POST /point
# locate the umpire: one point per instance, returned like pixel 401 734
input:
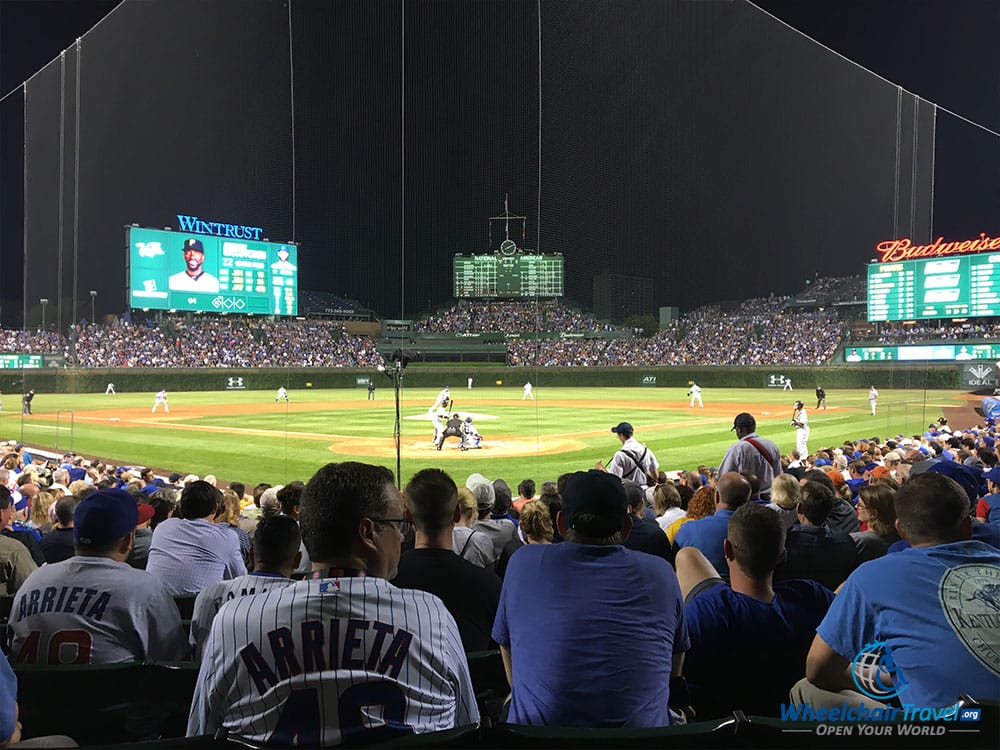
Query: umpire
pixel 452 429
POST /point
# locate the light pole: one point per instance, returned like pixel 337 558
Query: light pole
pixel 93 299
pixel 44 302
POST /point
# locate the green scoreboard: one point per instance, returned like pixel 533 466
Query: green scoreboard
pixel 508 276
pixel 943 287
pixel 206 273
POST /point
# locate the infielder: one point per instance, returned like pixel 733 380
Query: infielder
pixel 110 390
pixel 95 608
pixel 528 392
pixel 282 395
pixel 800 421
pixel 873 398
pixel 345 657
pixel 694 391
pixel 788 384
pixel 161 398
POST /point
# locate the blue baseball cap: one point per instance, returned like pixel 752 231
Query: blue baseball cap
pixel 103 517
pixel 622 428
pixel 194 244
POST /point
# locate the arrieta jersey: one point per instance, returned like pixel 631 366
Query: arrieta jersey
pixel 208 602
pixel 93 610
pixel 323 662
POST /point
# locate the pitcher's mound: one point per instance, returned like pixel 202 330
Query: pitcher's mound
pixel 500 447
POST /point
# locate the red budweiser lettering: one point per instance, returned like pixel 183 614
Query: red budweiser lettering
pixel 895 250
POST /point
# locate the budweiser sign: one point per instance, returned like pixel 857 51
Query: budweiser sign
pixel 894 250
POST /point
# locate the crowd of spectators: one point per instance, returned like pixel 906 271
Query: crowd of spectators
pixel 526 316
pixel 230 341
pixel 761 332
pixel 924 332
pixel 724 549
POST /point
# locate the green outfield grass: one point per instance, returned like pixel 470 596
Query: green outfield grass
pixel 245 436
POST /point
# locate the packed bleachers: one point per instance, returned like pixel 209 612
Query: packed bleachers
pixel 861 475
pixel 492 316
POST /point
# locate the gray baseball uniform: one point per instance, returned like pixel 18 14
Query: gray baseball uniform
pixel 208 602
pixel 322 661
pixel 93 610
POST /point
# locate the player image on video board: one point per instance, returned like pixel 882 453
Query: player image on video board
pixel 194 277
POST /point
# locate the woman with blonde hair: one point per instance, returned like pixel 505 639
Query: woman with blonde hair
pixel 702 505
pixel 229 515
pixel 785 494
pixel 475 546
pixel 535 528
pixel 40 505
pixel 667 505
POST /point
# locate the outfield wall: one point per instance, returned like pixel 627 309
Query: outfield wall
pixel 804 379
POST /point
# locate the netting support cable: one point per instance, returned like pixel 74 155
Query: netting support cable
pixel 62 188
pixel 402 159
pixel 291 103
pixel 76 186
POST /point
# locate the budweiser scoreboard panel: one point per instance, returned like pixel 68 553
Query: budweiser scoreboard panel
pixel 941 280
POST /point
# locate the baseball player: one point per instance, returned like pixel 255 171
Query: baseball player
pixel 694 391
pixel 529 392
pixel 161 398
pixel 820 397
pixel 344 657
pixel 800 421
pixel 788 384
pixel 472 437
pixel 873 398
pixel 110 390
pixel 94 608
pixel 276 555
pixel 282 395
pixel 26 400
pixel 442 400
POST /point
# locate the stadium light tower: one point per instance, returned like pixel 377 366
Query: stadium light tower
pixel 44 302
pixel 93 301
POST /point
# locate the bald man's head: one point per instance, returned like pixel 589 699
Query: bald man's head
pixel 733 490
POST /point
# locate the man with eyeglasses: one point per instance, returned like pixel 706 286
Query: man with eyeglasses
pixel 343 657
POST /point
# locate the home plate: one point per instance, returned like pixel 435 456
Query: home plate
pixel 114 419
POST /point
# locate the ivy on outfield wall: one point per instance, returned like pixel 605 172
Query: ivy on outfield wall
pixel 804 379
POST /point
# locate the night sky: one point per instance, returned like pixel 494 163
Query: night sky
pixel 461 161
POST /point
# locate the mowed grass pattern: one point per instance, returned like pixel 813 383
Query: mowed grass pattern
pixel 245 436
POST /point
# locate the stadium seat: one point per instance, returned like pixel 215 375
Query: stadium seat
pixel 185 605
pixel 719 733
pixel 489 680
pixel 106 703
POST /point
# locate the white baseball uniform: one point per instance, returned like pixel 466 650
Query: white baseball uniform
pixel 528 392
pixel 94 610
pixel 208 602
pixel 110 390
pixel 441 401
pixel 696 395
pixel 161 398
pixel 873 398
pixel 801 433
pixel 320 662
pixel 282 394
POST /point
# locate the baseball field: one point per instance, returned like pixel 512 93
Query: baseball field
pixel 246 436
